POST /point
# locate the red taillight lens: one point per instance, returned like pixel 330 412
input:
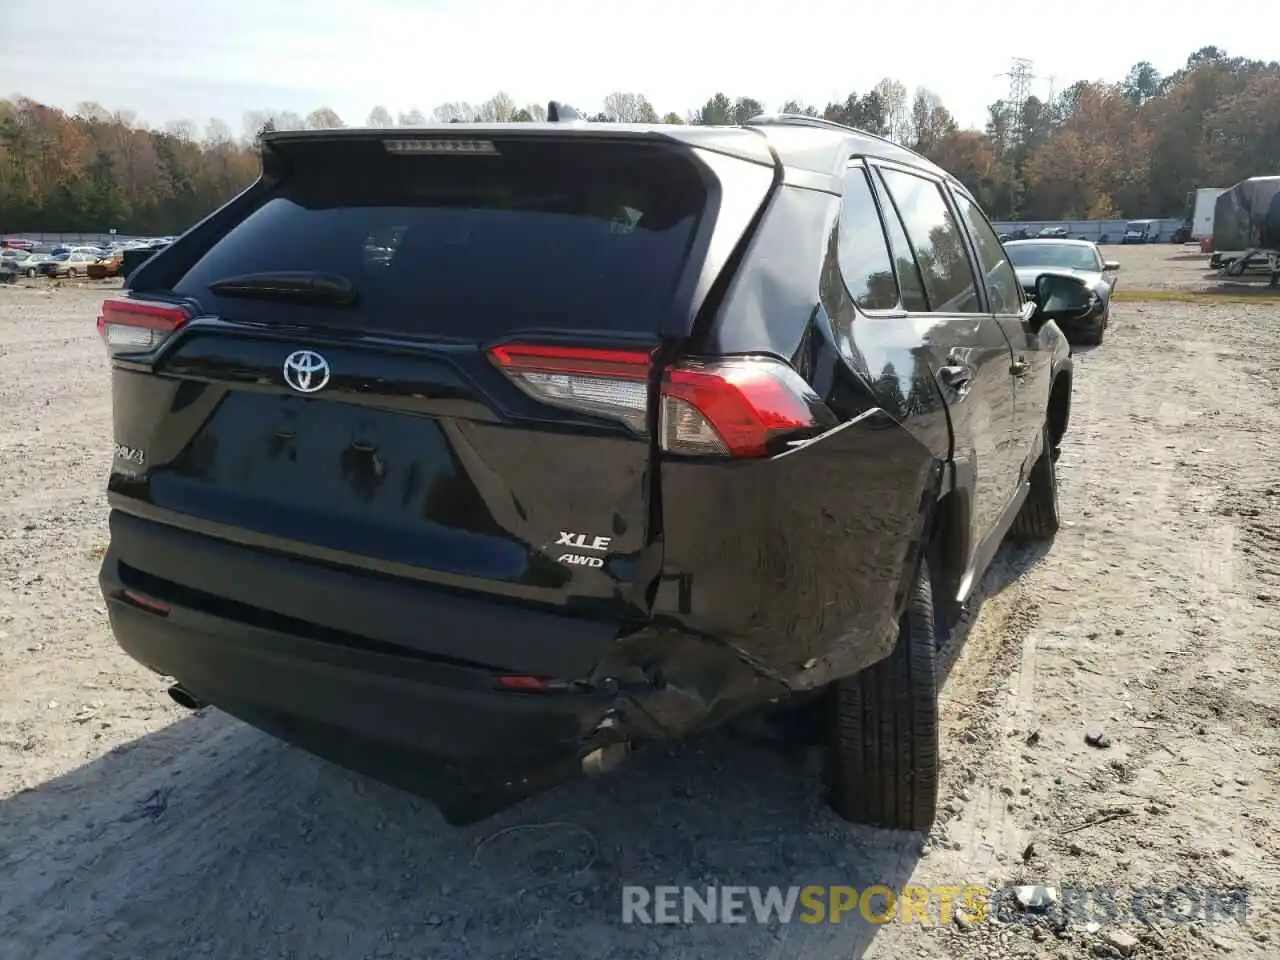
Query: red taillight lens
pixel 138 326
pixel 736 407
pixel 732 407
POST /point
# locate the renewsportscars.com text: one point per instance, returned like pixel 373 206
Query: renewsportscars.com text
pixel 927 905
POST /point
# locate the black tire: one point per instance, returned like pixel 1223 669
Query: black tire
pixel 884 728
pixel 1039 518
pixel 31 273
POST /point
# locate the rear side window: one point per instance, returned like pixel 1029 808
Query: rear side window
pixel 863 251
pixel 563 235
pixel 1002 282
pixel 904 258
pixel 937 241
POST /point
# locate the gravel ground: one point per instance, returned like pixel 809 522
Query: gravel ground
pixel 129 828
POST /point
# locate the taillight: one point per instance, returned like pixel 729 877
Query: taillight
pixel 737 407
pixel 728 407
pixel 606 383
pixel 138 326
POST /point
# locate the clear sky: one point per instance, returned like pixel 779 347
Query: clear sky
pixel 183 59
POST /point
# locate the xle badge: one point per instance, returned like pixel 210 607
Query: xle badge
pixel 579 541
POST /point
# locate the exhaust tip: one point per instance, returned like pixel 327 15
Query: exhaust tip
pixel 184 697
pixel 604 759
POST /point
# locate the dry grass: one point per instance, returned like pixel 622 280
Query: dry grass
pixel 1244 295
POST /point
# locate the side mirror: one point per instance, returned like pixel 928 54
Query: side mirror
pixel 1060 298
pixel 1110 266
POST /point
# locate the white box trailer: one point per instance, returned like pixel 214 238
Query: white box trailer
pixel 1202 211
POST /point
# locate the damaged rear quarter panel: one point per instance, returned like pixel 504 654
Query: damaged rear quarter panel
pixel 799 563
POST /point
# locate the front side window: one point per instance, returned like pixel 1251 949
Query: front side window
pixel 1001 281
pixel 937 242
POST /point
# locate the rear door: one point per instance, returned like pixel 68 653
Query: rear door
pixel 1032 351
pixel 966 349
pixel 356 383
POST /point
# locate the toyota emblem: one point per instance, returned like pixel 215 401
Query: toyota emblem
pixel 306 371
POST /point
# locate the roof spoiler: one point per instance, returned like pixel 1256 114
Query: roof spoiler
pixel 558 112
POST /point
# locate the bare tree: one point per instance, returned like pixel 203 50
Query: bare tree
pixel 217 133
pixel 499 108
pixel 413 117
pixel 629 108
pixel 93 112
pixel 379 116
pixel 537 112
pixel 799 107
pixel 931 122
pixel 255 120
pixel 183 130
pixel 897 109
pixel 324 118
pixel 454 112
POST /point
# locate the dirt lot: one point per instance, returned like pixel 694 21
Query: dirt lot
pixel 129 828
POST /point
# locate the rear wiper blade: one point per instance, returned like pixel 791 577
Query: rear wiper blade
pixel 300 286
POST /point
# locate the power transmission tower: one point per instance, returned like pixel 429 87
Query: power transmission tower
pixel 1020 77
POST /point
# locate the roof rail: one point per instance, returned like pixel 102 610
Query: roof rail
pixel 804 120
pixel 558 112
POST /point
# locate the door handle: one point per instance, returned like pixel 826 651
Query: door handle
pixel 955 375
pixel 1020 367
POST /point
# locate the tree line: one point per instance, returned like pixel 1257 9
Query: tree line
pixel 1095 150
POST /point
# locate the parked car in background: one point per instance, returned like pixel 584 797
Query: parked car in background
pixel 1141 231
pixel 1078 258
pixel 16 243
pixel 1052 233
pixel 72 264
pixel 103 267
pixel 479 502
pixel 29 263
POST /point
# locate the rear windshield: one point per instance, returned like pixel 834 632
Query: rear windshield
pixel 545 235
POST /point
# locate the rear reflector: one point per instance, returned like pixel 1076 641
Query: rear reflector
pixel 146 603
pixel 730 407
pixel 521 683
pixel 138 326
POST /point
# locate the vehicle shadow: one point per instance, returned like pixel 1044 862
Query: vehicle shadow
pixel 1010 563
pixel 209 838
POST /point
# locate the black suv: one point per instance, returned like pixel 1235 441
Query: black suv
pixel 472 457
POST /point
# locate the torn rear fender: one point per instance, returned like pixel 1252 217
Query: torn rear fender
pixel 781 575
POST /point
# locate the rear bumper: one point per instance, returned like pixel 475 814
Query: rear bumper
pixel 440 730
pixel 426 723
